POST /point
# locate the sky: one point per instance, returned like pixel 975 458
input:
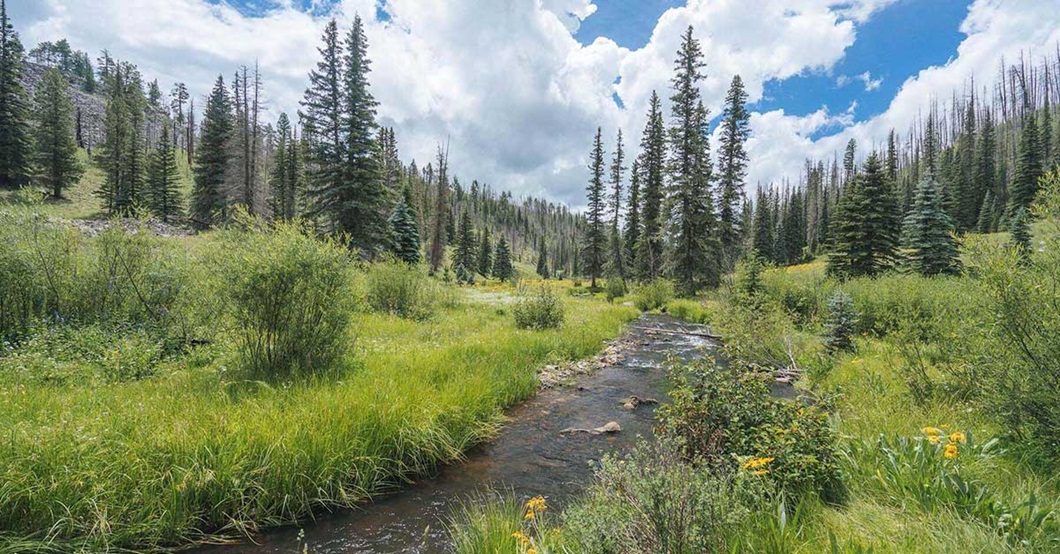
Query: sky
pixel 518 87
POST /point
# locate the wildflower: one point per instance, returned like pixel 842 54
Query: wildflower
pixel 932 431
pixel 757 463
pixel 536 504
pixel 522 538
pixel 760 472
pixel 531 551
pixel 950 452
pixel 957 436
pixel 934 439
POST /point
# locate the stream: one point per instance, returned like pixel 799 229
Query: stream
pixel 531 456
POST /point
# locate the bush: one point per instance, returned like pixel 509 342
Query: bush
pixel 540 310
pixel 726 418
pixel 616 288
pixel 839 328
pixel 400 289
pixel 654 295
pixel 286 291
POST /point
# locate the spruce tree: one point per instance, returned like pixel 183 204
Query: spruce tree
pixel 849 161
pixel 278 179
pixel 649 246
pixel 763 239
pixel 163 180
pixel 502 263
pixel 595 236
pixel 632 231
pixel 693 258
pixel 542 262
pixel 207 196
pixel 55 158
pixel 866 225
pixel 732 170
pixel 927 233
pixel 466 244
pixel 15 147
pixel 1028 166
pixel 986 172
pixel 616 251
pixel 405 234
pixel 485 254
pixel 323 124
pixel 1021 235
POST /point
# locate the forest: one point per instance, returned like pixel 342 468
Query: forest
pixel 218 330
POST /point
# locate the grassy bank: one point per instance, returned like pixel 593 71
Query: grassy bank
pixel 114 438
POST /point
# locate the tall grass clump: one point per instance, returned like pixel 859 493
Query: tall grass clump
pixel 397 288
pixel 541 309
pixel 286 290
pixel 654 295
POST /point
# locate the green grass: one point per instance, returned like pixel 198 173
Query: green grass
pixel 195 451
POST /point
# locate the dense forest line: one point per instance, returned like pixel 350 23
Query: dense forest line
pixel 331 163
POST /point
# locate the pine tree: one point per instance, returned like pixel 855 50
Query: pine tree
pixel 15 147
pixel 1021 235
pixel 542 262
pixel 693 260
pixel 55 160
pixel 122 155
pixel 442 217
pixel 163 180
pixel 849 161
pixel 866 225
pixel 732 170
pixel 927 233
pixel 1028 166
pixel 485 254
pixel 323 124
pixel 502 263
pixel 631 234
pixel 279 179
pixel 465 244
pixel 594 215
pixel 616 259
pixel 986 172
pixel 405 237
pixel 207 197
pixel 649 246
pixel 763 239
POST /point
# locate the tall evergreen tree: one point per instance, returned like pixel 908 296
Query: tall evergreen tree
pixel 442 216
pixel 850 161
pixel 466 244
pixel 866 225
pixel 616 251
pixel 927 233
pixel 649 246
pixel 693 260
pixel 732 169
pixel 405 238
pixel 762 241
pixel 542 262
pixel 323 123
pixel 14 112
pixel 631 234
pixel 1028 165
pixel 163 180
pixel 1021 235
pixel 986 173
pixel 55 160
pixel 485 254
pixel 595 236
pixel 502 263
pixel 279 181
pixel 207 197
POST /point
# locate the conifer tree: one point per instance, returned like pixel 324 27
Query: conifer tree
pixel 485 254
pixel 14 112
pixel 207 197
pixel 55 158
pixel 732 170
pixel 405 238
pixel 693 260
pixel 927 233
pixel 502 263
pixel 542 262
pixel 632 231
pixel 465 244
pixel 616 251
pixel 649 246
pixel 1028 166
pixel 441 213
pixel 866 225
pixel 279 180
pixel 594 229
pixel 122 155
pixel 849 161
pixel 1021 235
pixel 163 180
pixel 323 123
pixel 986 172
pixel 762 241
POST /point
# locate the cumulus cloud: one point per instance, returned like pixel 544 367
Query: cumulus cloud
pixel 507 84
pixel 866 79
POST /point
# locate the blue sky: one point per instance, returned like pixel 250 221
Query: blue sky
pixel 519 87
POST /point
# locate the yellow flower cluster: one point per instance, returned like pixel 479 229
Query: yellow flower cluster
pixel 521 537
pixel 935 436
pixel 757 466
pixel 535 506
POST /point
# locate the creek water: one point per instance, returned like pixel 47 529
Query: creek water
pixel 531 456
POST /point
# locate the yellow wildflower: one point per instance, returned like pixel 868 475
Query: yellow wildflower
pixel 536 504
pixel 957 436
pixel 757 463
pixel 523 539
pixel 950 452
pixel 932 431
pixel 934 439
pixel 531 551
pixel 761 472
pixel 529 514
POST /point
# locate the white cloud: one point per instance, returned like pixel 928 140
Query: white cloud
pixel 866 79
pixel 507 83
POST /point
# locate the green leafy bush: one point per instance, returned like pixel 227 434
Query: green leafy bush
pixel 397 288
pixel 616 288
pixel 541 309
pixel 654 295
pixel 286 291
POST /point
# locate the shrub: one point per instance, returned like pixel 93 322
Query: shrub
pixel 616 288
pixel 286 291
pixel 839 327
pixel 654 295
pixel 726 418
pixel 400 289
pixel 540 310
pixel 655 502
pixel 749 276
